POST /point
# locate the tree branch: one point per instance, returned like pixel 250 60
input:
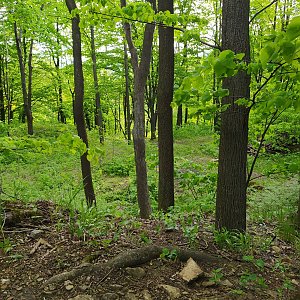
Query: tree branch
pixel 260 11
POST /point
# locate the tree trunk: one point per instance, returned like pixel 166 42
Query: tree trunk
pixel 186 116
pixel 126 95
pixel 26 94
pixel 231 187
pixel 98 117
pixel 179 116
pixel 165 116
pixel 60 113
pixel 141 71
pixel 78 105
pixel 2 106
pixel 28 111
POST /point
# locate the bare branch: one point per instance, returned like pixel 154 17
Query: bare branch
pixel 260 11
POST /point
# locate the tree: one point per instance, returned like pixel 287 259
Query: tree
pixel 231 186
pixel 140 71
pixel 26 90
pixel 98 113
pixel 2 106
pixel 165 115
pixel 78 105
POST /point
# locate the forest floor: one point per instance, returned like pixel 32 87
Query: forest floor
pixel 37 244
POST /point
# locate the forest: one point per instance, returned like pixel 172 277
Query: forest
pixel 149 149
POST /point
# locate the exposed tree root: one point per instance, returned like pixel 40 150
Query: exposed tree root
pixel 132 258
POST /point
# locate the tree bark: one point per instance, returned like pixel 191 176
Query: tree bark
pixel 126 95
pixel 140 71
pixel 26 94
pixel 165 115
pixel 179 116
pixel 186 116
pixel 98 117
pixel 2 106
pixel 78 105
pixel 231 186
pixel 60 113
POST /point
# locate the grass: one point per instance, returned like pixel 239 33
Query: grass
pixel 41 167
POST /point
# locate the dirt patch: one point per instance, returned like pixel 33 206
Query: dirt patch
pixel 38 246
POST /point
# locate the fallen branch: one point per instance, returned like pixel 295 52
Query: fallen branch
pixel 132 258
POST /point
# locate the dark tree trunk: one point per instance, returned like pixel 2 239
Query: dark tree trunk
pixel 28 111
pixel 126 95
pixel 186 115
pixel 165 123
pixel 141 71
pixel 231 187
pixel 78 105
pixel 179 116
pixel 2 106
pixel 98 114
pixel 151 96
pixel 25 92
pixel 60 113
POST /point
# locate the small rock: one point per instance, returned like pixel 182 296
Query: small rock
pixel 68 285
pixel 39 279
pixel 4 283
pixel 295 282
pixel 83 287
pixel 226 282
pixel 276 249
pixel 191 271
pixel 208 283
pixel 116 287
pixel 173 291
pixel 146 295
pixel 272 294
pixel 36 233
pixel 136 272
pixel 287 260
pixel 82 297
pixel 110 296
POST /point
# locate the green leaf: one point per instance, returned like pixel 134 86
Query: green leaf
pixel 266 53
pixel 221 93
pixel 288 50
pixel 219 68
pixel 240 56
pixel 293 29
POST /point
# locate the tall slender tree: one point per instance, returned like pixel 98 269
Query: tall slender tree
pixel 78 105
pixel 140 74
pixel 231 186
pixel 165 116
pixel 98 113
pixel 126 105
pixel 26 89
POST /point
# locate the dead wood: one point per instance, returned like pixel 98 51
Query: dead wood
pixel 132 258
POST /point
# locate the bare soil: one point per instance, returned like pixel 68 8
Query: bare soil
pixel 38 244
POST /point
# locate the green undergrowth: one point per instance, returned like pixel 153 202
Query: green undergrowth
pixel 46 166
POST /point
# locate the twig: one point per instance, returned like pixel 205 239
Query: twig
pixel 106 275
pixel 260 11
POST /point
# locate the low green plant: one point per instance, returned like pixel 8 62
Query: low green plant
pixel 118 167
pixel 217 276
pixel 237 241
pixel 144 237
pixel 252 279
pixel 168 254
pixel 259 263
pixel 6 246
